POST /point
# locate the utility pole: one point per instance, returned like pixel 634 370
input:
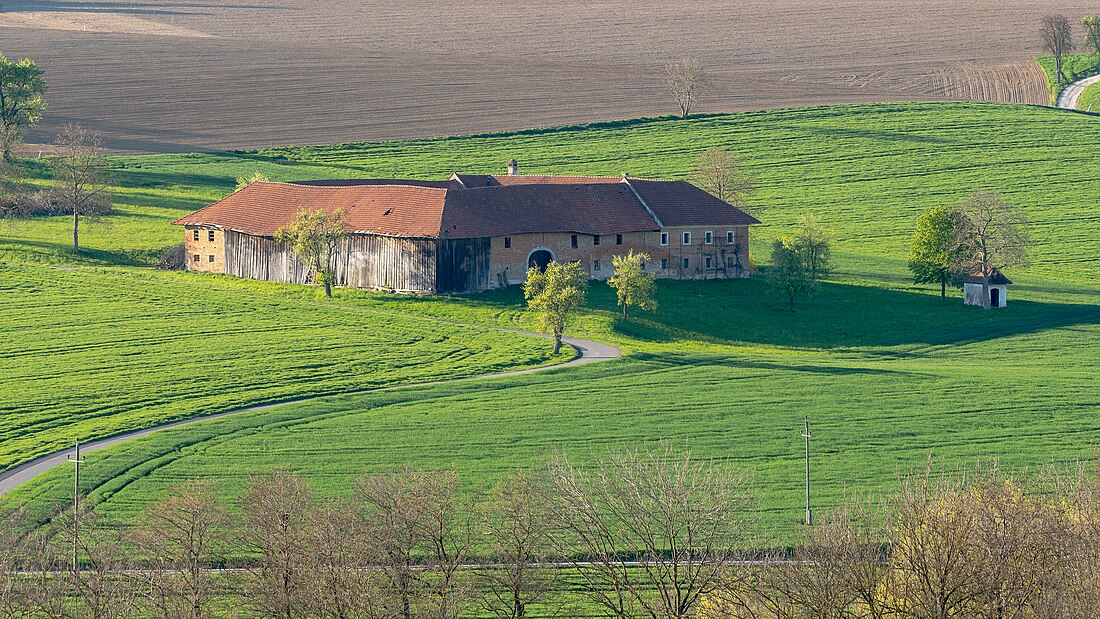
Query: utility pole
pixel 806 435
pixel 77 461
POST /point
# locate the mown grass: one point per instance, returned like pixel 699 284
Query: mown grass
pixel 1074 67
pixel 889 373
pixel 91 352
pixel 1089 98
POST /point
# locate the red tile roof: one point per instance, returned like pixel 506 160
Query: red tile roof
pixel 470 206
pixel 262 208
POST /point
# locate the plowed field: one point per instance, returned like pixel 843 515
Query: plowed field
pixel 170 75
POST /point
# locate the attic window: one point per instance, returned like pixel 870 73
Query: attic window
pixel 210 236
pixel 507 242
pixel 596 239
pixel 573 241
pixel 618 239
pixel 196 235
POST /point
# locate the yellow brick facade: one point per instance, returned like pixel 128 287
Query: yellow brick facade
pixel 205 249
pixel 695 259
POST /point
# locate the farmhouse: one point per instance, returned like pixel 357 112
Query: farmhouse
pixel 474 232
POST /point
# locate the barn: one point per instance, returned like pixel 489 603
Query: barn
pixel 474 232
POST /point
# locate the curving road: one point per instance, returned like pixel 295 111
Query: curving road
pixel 1069 97
pixel 589 352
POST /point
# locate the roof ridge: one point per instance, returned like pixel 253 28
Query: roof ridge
pixel 298 184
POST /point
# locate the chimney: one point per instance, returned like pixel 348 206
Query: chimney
pixel 513 168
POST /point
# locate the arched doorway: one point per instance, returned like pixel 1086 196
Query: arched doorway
pixel 539 259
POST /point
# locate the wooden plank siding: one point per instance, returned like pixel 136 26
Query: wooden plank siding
pixel 363 261
pixel 463 265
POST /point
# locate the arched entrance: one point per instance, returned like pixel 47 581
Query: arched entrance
pixel 539 259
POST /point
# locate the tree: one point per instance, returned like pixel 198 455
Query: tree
pixel 1057 37
pixel 255 177
pixel 632 284
pixel 275 512
pixel 788 275
pixel 181 538
pixel 1091 24
pixel 676 517
pixel 15 192
pixel 812 241
pixel 933 255
pixel 337 580
pixel 518 522
pixel 80 176
pixel 555 294
pixel 687 80
pixel 314 237
pixel 22 101
pixel 990 236
pixel 722 175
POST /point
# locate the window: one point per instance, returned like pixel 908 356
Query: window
pixel 618 239
pixel 708 263
pixel 687 238
pixel 196 235
pixel 197 258
pixel 708 238
pixel 729 237
pixel 664 263
pixel 664 238
pixel 573 241
pixel 211 257
pixel 211 237
pixel 507 242
pixel 595 266
pixel 730 262
pixel 596 239
pixel 687 263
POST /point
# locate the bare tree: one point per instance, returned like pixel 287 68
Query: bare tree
pixel 989 236
pixel 14 557
pixel 275 517
pixel 687 80
pixel 102 585
pixel 338 581
pixel 180 539
pixel 80 176
pixel 723 175
pixel 648 531
pixel 518 523
pixel 1057 37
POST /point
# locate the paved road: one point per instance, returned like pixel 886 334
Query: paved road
pixel 1069 97
pixel 590 352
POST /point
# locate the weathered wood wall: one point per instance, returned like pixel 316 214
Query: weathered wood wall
pixel 363 261
pixel 463 265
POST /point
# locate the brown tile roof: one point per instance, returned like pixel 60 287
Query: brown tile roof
pixel 996 278
pixel 488 206
pixel 262 208
pixel 679 203
pixel 582 209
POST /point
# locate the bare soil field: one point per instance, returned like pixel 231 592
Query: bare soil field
pixel 171 75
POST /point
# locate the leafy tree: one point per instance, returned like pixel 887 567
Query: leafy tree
pixel 788 275
pixel 990 236
pixel 80 175
pixel 633 285
pixel 721 174
pixel 22 101
pixel 812 241
pixel 687 80
pixel 1057 37
pixel 555 294
pixel 1091 23
pixel 255 177
pixel 933 257
pixel 314 237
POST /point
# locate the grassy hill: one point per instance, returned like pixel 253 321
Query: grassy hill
pixel 888 373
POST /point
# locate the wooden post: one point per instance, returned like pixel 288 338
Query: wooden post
pixel 806 435
pixel 77 461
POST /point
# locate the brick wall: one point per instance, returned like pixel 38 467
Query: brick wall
pixel 204 254
pixel 704 260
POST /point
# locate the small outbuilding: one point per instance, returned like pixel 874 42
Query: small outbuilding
pixel 998 289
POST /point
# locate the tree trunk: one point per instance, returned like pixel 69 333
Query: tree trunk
pixel 943 284
pixel 328 287
pixel 790 306
pixel 76 234
pixel 557 343
pixel 1058 68
pixel 624 311
pixel 985 292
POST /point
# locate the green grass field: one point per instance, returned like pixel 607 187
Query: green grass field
pixel 1090 98
pixel 889 373
pixel 1074 67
